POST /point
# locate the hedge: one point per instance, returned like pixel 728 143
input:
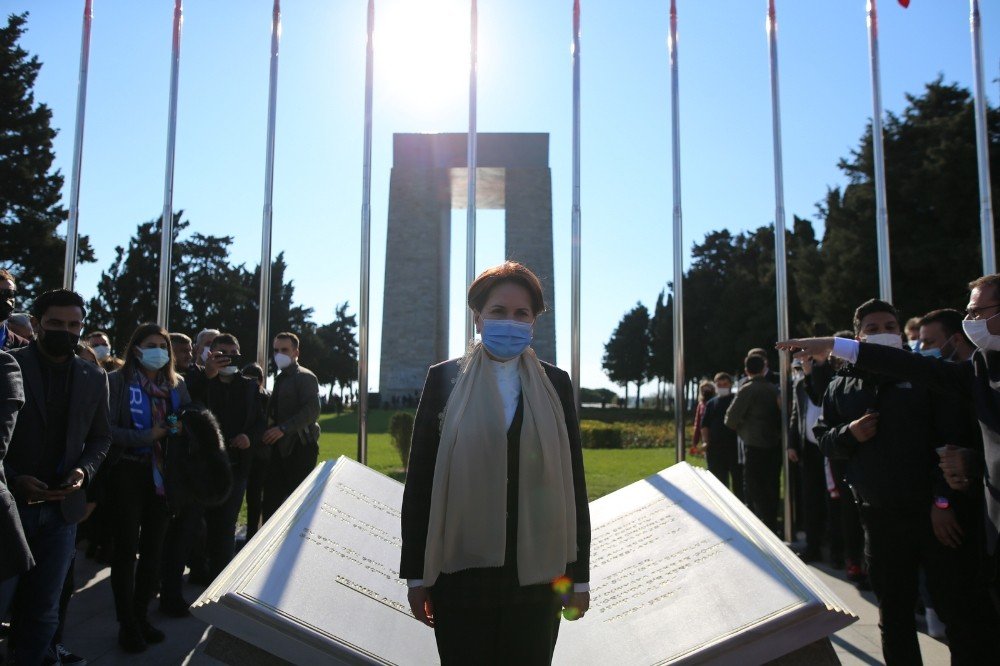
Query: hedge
pixel 599 435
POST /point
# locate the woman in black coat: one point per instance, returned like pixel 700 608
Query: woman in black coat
pixel 495 521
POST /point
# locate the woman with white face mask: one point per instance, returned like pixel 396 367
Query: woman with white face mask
pixel 144 394
pixel 495 521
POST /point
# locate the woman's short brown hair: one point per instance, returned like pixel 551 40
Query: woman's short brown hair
pixel 508 271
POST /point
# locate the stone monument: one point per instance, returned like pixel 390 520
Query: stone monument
pixel 681 573
pixel 429 179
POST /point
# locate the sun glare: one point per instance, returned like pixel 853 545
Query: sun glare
pixel 422 52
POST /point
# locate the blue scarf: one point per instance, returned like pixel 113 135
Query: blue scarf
pixel 3 335
pixel 140 404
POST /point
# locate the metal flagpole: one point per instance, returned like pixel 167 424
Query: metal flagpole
pixel 780 272
pixel 982 144
pixel 73 226
pixel 264 300
pixel 470 237
pixel 167 221
pixel 366 224
pixel 678 240
pixel 881 212
pixel 576 259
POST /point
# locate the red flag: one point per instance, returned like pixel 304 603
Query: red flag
pixel 905 3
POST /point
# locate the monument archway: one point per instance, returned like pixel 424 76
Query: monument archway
pixel 429 179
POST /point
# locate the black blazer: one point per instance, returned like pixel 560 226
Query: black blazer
pixel 15 556
pixel 976 380
pixel 88 434
pixel 423 457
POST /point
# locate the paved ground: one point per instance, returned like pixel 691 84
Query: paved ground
pixel 93 632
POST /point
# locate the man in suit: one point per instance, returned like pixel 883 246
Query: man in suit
pixel 292 431
pixel 8 295
pixel 61 437
pixel 15 556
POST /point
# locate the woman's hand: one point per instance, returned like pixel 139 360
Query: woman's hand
pixel 576 606
pixel 158 432
pixel 421 605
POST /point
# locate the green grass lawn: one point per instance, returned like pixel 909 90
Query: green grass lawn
pixel 607 469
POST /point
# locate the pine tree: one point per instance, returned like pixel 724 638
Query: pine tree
pixel 30 212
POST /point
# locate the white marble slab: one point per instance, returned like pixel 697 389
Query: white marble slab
pixel 681 572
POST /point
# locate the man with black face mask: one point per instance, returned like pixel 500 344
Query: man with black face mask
pixel 8 295
pixel 61 437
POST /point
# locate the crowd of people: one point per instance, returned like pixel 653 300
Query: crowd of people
pixel 146 454
pixel 890 480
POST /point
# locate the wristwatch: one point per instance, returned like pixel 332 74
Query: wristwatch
pixel 942 503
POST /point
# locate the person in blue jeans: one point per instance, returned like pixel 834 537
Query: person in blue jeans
pixel 60 439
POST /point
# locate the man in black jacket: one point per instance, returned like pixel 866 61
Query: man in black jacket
pixel 15 556
pixel 721 447
pixel 233 400
pixel 292 432
pixel 803 450
pixel 61 437
pixel 976 380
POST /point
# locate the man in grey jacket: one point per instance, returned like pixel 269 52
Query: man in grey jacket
pixel 61 437
pixel 292 431
pixel 755 415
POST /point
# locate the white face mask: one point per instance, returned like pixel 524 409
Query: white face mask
pixel 723 392
pixel 979 332
pixel 885 339
pixel 102 352
pixel 282 361
pixel 228 371
pixel 204 354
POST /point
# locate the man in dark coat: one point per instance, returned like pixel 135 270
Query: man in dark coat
pixel 15 556
pixel 292 432
pixel 8 297
pixel 61 437
pixel 977 380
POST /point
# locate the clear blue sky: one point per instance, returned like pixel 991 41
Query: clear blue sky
pixel 524 86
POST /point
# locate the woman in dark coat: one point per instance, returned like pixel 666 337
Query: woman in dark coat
pixel 146 395
pixel 495 521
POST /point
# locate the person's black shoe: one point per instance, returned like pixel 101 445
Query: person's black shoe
pixel 174 607
pixel 130 639
pixel 199 577
pixel 810 555
pixel 150 633
pixel 67 658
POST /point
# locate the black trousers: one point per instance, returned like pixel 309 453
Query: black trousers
pixel 762 474
pixel 517 634
pixel 812 478
pixel 255 495
pixel 140 523
pixel 897 543
pixel 285 473
pixel 725 464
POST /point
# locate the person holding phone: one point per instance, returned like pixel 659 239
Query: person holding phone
pixel 146 395
pixel 60 439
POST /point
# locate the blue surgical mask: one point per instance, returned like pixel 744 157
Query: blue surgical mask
pixel 154 358
pixel 933 353
pixel 506 339
pixel 914 345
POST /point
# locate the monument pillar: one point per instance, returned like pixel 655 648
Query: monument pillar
pixel 528 236
pixel 417 276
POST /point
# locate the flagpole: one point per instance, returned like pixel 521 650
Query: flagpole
pixel 576 258
pixel 470 225
pixel 780 269
pixel 366 223
pixel 881 211
pixel 167 221
pixel 264 309
pixel 982 143
pixel 678 240
pixel 73 224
